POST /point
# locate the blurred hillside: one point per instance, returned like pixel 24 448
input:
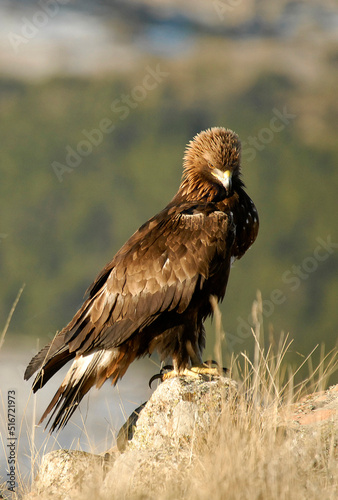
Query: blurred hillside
pixel 92 143
pixel 41 38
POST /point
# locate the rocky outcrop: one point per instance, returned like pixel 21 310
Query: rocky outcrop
pixel 67 472
pixel 159 439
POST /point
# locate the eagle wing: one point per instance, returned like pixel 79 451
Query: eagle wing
pixel 156 271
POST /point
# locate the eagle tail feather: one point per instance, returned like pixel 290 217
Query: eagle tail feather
pixel 48 361
pixel 85 372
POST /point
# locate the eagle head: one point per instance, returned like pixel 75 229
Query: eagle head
pixel 211 165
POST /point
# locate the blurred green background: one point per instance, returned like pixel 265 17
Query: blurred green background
pixel 267 72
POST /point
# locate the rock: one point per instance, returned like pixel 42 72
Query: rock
pixel 177 412
pixel 178 409
pixel 162 437
pixel 313 420
pixel 317 407
pixel 66 473
pixel 167 424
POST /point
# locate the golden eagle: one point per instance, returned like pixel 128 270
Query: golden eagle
pixel 155 293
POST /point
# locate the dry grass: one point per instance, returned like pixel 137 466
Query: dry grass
pixel 251 452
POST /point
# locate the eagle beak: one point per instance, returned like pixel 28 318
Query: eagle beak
pixel 225 178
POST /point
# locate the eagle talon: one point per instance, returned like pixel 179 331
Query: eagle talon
pixel 211 362
pixel 166 367
pixel 204 371
pixel 161 375
pixel 155 377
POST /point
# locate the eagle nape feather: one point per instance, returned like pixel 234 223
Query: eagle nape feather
pixel 156 292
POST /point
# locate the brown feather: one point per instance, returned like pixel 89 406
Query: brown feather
pixel 155 293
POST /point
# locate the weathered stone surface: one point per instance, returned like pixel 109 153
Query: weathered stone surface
pixel 66 473
pixel 318 407
pixel 313 420
pixel 177 410
pixel 160 440
pixel 180 408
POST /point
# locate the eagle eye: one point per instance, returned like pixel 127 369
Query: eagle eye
pixel 211 165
